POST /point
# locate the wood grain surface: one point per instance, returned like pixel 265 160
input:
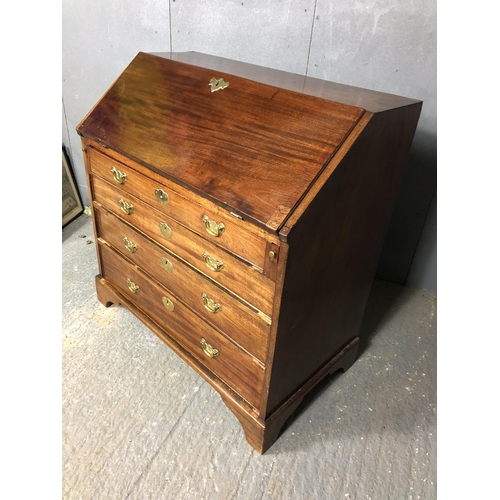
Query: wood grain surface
pixel 240 371
pixel 244 325
pixel 264 141
pixel 334 248
pixel 238 236
pixel 242 279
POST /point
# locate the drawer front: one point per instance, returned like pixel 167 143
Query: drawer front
pixel 243 373
pixel 242 279
pixel 244 325
pixel 215 225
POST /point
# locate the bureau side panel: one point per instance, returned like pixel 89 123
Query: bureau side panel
pixel 334 247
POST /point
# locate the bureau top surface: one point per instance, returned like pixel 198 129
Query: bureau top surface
pixel 252 147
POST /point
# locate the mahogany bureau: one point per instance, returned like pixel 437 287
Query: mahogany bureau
pixel 239 212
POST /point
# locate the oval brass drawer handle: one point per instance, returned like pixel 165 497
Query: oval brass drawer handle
pixel 210 305
pixel 208 349
pixel 212 264
pixel 213 228
pixel 128 208
pixel 161 196
pixel 167 265
pixel 168 303
pixel 129 245
pixel 118 176
pixel 132 286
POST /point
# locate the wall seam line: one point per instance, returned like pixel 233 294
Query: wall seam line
pixel 170 24
pixel 67 132
pixel 310 40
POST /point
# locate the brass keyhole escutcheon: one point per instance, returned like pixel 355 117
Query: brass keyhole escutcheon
pixel 161 196
pixel 217 84
pixel 165 230
pixel 167 265
pixel 168 303
pixel 208 349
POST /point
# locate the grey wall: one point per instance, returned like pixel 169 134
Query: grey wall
pixel 385 45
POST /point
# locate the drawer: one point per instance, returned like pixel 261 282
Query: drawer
pixel 240 371
pixel 242 279
pixel 245 326
pixel 212 223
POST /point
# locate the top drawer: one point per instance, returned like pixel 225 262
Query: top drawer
pixel 212 223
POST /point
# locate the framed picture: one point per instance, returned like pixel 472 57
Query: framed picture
pixel 72 205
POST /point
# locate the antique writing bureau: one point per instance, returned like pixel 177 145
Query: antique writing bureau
pixel 239 213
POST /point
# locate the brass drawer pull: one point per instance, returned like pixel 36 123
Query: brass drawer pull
pixel 118 176
pixel 128 208
pixel 168 303
pixel 212 264
pixel 129 245
pixel 208 349
pixel 213 228
pixel 165 230
pixel 167 265
pixel 161 196
pixel 210 305
pixel 132 286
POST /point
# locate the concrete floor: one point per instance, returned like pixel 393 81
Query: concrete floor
pixel 140 424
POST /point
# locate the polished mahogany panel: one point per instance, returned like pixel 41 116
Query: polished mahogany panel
pixel 243 280
pixel 236 237
pixel 250 138
pixel 244 325
pixel 237 368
